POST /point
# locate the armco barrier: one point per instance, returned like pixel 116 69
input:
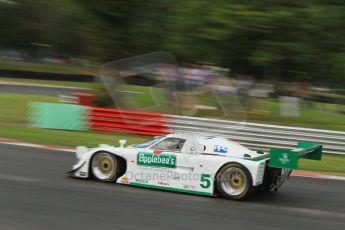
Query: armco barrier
pixel 263 136
pixel 115 120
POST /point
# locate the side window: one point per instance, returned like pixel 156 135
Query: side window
pixel 171 144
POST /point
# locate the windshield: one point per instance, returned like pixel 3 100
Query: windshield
pixel 148 143
pixel 171 144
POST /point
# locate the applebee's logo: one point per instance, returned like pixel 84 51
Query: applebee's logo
pixel 161 160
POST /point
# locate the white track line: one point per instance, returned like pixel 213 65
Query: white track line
pixel 57 148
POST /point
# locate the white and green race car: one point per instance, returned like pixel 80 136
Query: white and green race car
pixel 191 163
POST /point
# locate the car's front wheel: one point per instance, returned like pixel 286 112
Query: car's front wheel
pixel 104 166
pixel 234 181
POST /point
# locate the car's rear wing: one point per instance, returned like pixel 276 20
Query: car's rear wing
pixel 285 158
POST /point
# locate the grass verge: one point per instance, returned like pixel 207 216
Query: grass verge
pixel 308 118
pixel 14 106
pixel 329 163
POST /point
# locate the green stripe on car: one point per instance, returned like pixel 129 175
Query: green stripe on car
pixel 171 189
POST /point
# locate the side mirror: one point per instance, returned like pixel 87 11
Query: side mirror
pixel 122 143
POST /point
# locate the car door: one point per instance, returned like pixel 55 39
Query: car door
pixel 190 169
pixel 186 173
pixel 153 165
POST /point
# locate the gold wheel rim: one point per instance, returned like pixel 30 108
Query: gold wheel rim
pixel 233 181
pixel 236 180
pixel 105 165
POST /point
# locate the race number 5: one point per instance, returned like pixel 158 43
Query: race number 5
pixel 205 180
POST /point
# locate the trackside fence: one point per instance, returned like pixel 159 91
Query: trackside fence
pixel 252 135
pixel 263 136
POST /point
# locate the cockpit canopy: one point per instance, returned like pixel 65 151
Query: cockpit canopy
pixel 195 144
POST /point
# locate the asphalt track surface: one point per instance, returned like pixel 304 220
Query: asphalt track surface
pixel 35 194
pixel 39 90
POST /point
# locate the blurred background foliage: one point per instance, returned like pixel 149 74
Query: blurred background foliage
pixel 270 39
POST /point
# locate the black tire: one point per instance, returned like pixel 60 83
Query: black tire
pixel 104 167
pixel 234 182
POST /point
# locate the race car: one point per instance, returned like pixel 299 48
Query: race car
pixel 192 163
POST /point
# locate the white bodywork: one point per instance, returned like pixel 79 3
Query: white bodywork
pixel 191 169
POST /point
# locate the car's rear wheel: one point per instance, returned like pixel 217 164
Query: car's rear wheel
pixel 234 181
pixel 104 166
